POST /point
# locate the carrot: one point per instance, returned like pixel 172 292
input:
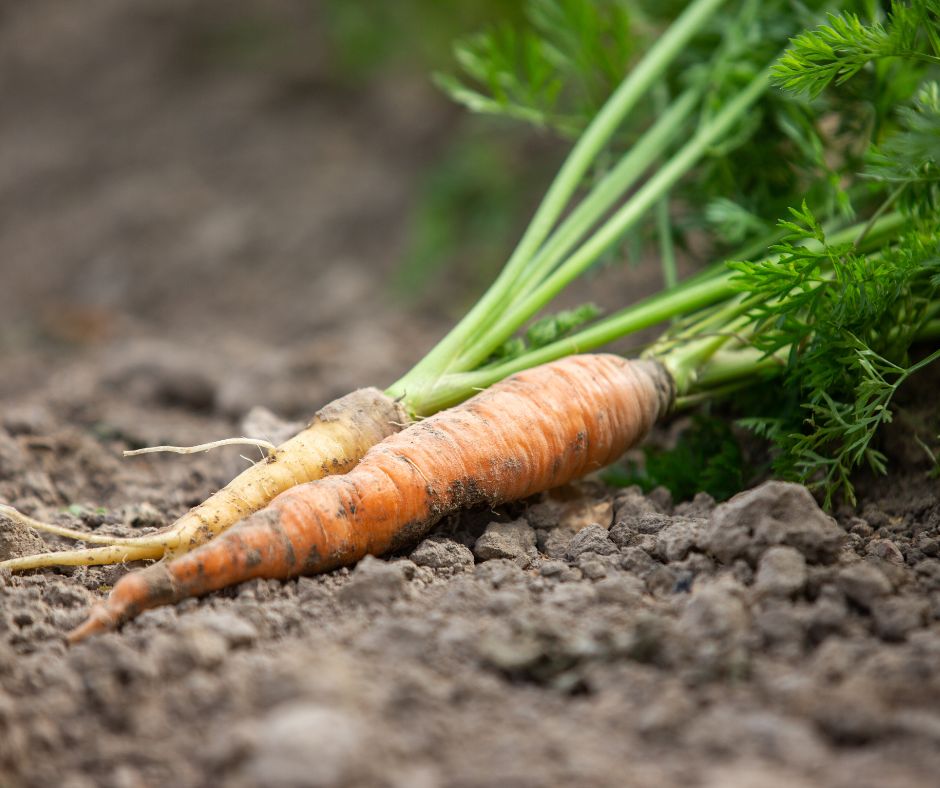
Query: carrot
pixel 533 431
pixel 336 438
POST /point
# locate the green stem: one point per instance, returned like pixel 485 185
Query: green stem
pixel 667 249
pixel 455 387
pixel 589 145
pixel 611 188
pixel 652 191
pixel 698 292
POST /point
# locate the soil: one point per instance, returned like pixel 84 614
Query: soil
pixel 167 235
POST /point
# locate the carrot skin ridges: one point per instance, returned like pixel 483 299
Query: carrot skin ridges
pixel 529 433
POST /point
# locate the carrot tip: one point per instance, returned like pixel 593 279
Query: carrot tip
pixel 100 619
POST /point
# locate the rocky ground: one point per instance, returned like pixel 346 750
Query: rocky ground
pixel 592 637
pixel 182 242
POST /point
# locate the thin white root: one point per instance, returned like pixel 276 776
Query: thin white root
pixel 266 445
pixel 58 530
pixel 92 556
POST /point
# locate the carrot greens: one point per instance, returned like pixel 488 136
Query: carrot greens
pixel 839 130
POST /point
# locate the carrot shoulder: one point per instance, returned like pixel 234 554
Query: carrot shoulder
pixel 533 431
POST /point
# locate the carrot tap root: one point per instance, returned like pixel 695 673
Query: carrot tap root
pixel 533 431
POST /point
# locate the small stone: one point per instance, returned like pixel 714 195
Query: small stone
pixel 442 553
pixel 860 528
pixel 630 504
pixel 571 515
pixel 374 581
pixel 862 583
pixel 513 541
pixel 674 542
pixel 781 572
pixel 499 572
pixel 552 568
pixel 630 532
pixel 554 543
pixel 592 568
pixel 896 617
pixel 775 513
pixel 593 539
pixel 638 561
pixel 510 651
pixel 886 550
pixel 653 523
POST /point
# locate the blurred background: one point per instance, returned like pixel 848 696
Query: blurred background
pixel 262 202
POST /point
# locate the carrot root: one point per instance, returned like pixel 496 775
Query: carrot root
pixel 533 431
pixel 337 437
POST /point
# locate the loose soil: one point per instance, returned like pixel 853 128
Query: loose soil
pixel 158 287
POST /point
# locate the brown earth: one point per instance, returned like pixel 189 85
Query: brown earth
pixel 180 243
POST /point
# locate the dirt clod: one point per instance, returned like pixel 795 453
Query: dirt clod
pixel 776 513
pixel 514 541
pixel 863 583
pixel 781 572
pixel 592 539
pixel 442 553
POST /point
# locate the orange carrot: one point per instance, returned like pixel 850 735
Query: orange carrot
pixel 533 431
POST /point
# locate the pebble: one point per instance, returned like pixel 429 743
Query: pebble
pixel 863 583
pixel 775 513
pixel 592 539
pixel 674 542
pixel 886 550
pixel 592 568
pixel 513 541
pixel 442 553
pixel 781 572
pixel 374 581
